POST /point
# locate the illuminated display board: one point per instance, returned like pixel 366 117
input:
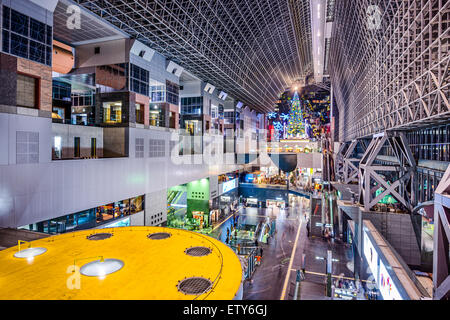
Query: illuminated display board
pixel 229 185
pixel 387 287
pixel 371 255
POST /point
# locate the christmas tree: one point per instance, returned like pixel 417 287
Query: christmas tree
pixel 296 125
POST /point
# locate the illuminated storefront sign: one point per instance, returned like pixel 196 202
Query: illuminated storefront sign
pixel 228 186
pixel 370 255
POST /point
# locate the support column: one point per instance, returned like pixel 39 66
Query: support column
pixel 347 161
pixel 441 277
pixel 375 174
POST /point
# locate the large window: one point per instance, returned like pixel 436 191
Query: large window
pixel 158 92
pixel 229 117
pixel 430 143
pixel 192 106
pixel 26 37
pixel 156 115
pixel 61 91
pixel 214 111
pixel 57 147
pixel 139 80
pixel 173 91
pixel 85 98
pixel 193 127
pixel 112 112
pixel 26 91
pixel 168 92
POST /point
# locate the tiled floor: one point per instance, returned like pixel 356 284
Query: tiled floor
pixel 269 278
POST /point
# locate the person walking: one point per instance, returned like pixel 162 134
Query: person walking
pixel 308 227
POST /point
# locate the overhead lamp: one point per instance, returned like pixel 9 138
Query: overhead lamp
pixel 101 268
pixel 28 253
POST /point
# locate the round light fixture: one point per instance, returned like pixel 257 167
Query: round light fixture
pixel 29 253
pixel 99 268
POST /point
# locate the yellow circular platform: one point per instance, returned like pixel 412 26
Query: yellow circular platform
pixel 152 268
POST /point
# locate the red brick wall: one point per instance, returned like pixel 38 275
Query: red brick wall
pixel 44 74
pixel 146 102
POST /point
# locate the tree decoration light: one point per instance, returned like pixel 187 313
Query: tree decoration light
pixel 296 126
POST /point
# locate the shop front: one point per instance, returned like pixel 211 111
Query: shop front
pixel 258 197
pixel 190 207
pixel 275 203
pixel 214 213
pixel 251 202
pixel 91 218
pixel 200 219
pixel 229 197
pixel 265 176
pixel 119 209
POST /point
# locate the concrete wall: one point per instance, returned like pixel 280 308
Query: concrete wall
pixel 396 228
pixel 158 70
pixel 11 123
pixel 156 207
pixel 111 52
pixel 34 192
pixel 85 133
pixel 213 187
pixel 115 142
pixel 10 237
pixel 191 89
pixel 137 219
pixel 399 233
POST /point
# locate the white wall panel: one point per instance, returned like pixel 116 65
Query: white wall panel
pixel 31 193
pixel 4 136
